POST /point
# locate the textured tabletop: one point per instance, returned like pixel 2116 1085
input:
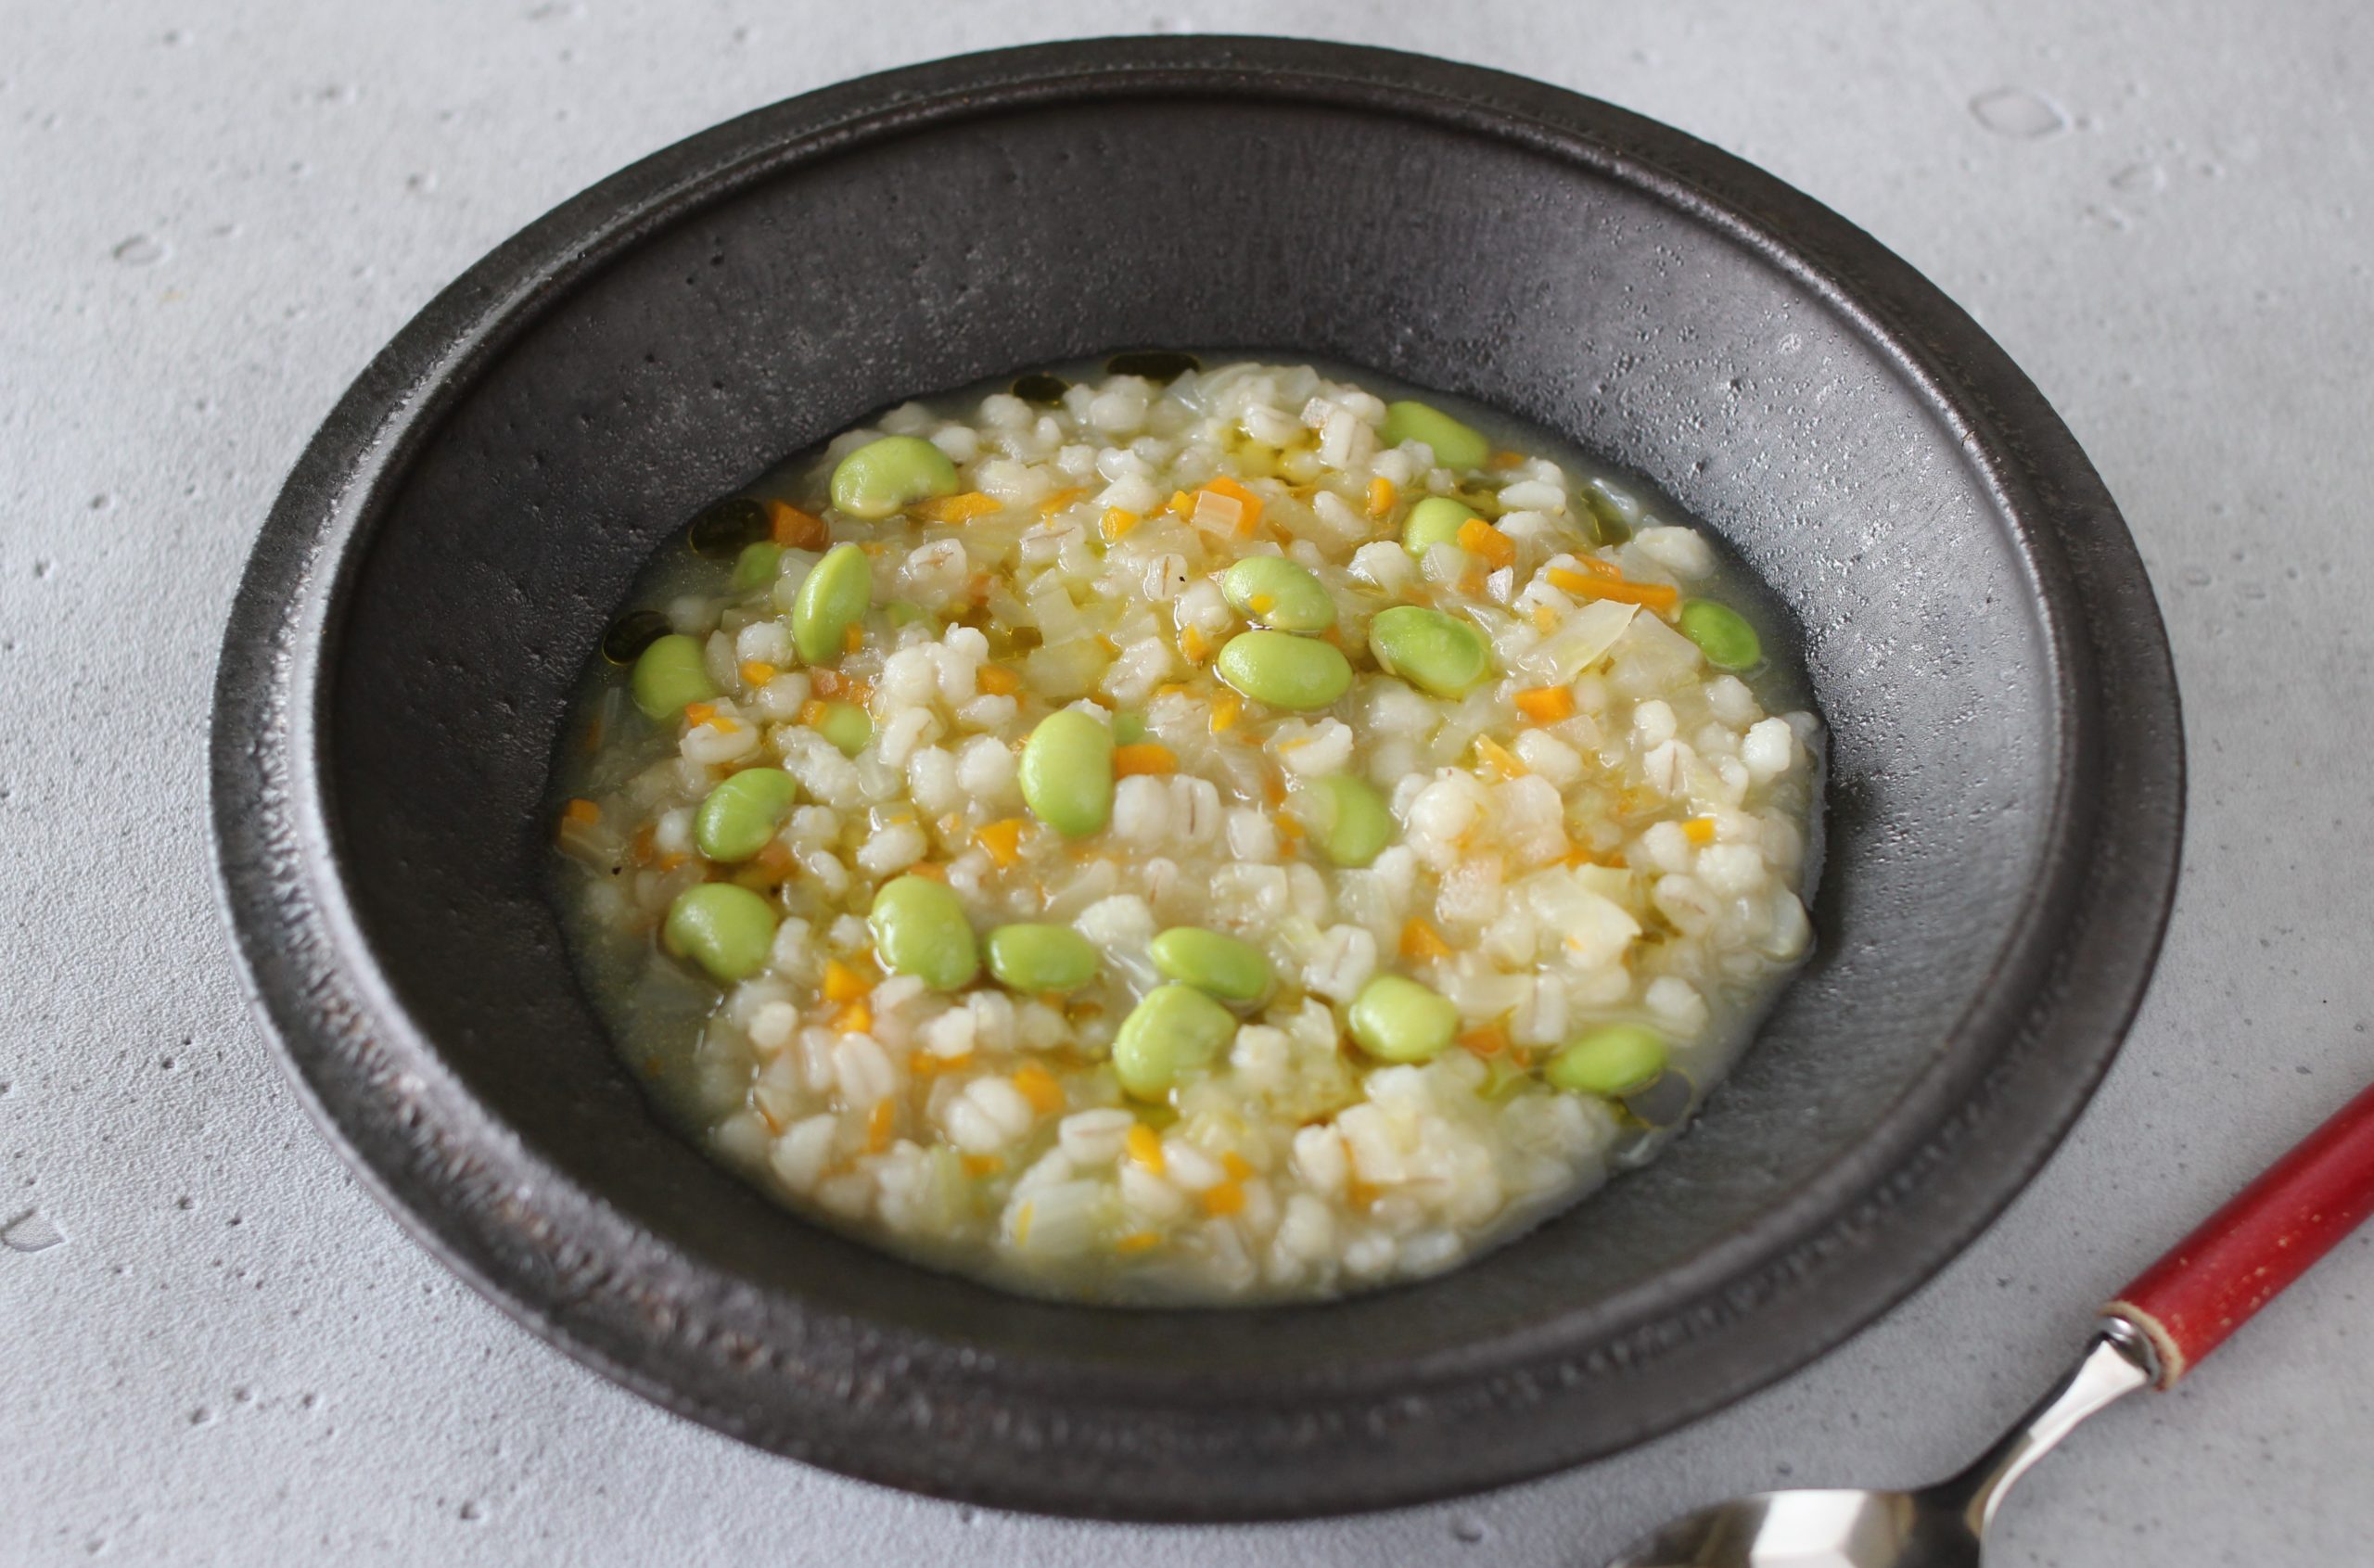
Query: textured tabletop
pixel 215 1348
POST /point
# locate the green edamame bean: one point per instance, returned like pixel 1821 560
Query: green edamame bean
pixel 726 929
pixel 1354 826
pixel 1432 521
pixel 1175 1031
pixel 889 475
pixel 1613 1060
pixel 1036 957
pixel 1129 728
pixel 1721 633
pixel 1067 773
pixel 1455 445
pixel 1436 652
pixel 755 566
pixel 906 612
pixel 669 673
pixel 1210 962
pixel 847 725
pixel 1284 670
pixel 833 597
pixel 1396 1019
pixel 1272 591
pixel 920 929
pixel 738 817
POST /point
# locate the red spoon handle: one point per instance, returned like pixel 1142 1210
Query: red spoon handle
pixel 2267 1236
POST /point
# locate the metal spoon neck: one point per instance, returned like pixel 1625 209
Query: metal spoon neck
pixel 2117 1362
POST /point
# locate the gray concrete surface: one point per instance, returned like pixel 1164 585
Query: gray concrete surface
pixel 213 1348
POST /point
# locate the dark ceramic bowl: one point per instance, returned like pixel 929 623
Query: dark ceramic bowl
pixel 2004 799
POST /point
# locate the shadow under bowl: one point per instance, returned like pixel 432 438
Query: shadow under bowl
pixel 2005 790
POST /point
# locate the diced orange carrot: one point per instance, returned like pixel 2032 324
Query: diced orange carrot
pixel 581 812
pixel 1226 1198
pixel 775 857
pixel 1545 619
pixel 1421 943
pixel 794 529
pixel 700 712
pixel 1699 830
pixel 983 1165
pixel 1546 704
pixel 854 1018
pixel 824 684
pixel 1238 1167
pixel 997 679
pixel 1225 708
pixel 1654 595
pixel 1145 1147
pixel 1058 501
pixel 1002 839
pixel 639 846
pixel 1481 539
pixel 757 671
pixel 1193 643
pixel 1379 497
pixel 961 509
pixel 853 638
pixel 1598 567
pixel 1485 1039
pixel 1117 523
pixel 811 713
pixel 725 726
pixel 843 983
pixel 927 869
pixel 1137 1241
pixel 669 861
pixel 878 1123
pixel 1144 756
pixel 1039 1086
pixel 1504 458
pixel 1500 758
pixel 1182 505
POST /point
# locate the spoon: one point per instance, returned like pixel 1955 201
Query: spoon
pixel 2152 1333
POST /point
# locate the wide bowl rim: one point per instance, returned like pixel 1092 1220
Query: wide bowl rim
pixel 375 1085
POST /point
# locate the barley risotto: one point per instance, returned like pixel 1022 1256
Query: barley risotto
pixel 1181 833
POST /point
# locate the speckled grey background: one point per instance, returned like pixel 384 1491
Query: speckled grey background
pixel 214 1348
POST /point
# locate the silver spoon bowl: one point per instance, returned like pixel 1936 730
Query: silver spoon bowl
pixel 1938 1527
